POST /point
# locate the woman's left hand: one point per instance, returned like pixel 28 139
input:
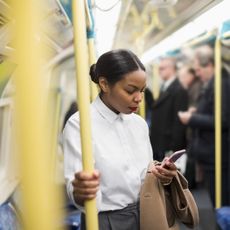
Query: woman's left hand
pixel 165 172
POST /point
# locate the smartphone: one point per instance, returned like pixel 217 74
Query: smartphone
pixel 175 156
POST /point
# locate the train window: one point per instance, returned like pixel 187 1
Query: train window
pixel 8 174
pixel 5 128
pixel 1 132
pixel 64 77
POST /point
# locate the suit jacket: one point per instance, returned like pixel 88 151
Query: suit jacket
pixel 167 132
pixel 161 205
pixel 202 122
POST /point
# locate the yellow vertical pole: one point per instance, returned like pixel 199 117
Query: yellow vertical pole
pixel 92 60
pixel 142 107
pixel 40 198
pixel 155 86
pixel 218 135
pixel 82 64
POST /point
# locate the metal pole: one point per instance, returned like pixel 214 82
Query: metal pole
pixel 91 46
pixel 155 82
pixel 41 203
pixel 218 134
pixel 82 64
pixel 142 107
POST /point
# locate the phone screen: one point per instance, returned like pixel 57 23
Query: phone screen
pixel 176 155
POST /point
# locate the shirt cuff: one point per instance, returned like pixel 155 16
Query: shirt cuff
pixel 71 197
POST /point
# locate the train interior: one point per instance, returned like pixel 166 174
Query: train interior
pixel 150 28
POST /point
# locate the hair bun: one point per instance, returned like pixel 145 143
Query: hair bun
pixel 93 73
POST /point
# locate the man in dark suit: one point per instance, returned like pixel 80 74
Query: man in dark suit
pixel 202 146
pixel 167 132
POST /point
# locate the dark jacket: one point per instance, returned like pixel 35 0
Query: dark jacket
pixel 194 92
pixel 167 132
pixel 203 124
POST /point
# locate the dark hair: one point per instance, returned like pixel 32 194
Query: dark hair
pixel 72 109
pixel 191 71
pixel 113 65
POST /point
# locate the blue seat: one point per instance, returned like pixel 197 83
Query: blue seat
pixel 8 217
pixel 73 218
pixel 223 218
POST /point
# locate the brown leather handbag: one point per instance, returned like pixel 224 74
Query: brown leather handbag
pixel 161 206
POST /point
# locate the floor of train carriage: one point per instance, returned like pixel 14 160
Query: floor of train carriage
pixel 206 211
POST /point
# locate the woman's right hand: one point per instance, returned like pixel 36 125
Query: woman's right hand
pixel 85 186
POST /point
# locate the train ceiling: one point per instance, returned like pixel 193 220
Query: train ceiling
pixel 141 24
pixel 5 17
pixel 148 24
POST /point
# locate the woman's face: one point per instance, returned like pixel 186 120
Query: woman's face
pixel 125 96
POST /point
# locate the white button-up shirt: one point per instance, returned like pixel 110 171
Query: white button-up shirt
pixel 121 152
pixel 167 83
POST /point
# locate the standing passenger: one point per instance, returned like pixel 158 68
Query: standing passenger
pixel 72 109
pixel 202 122
pixel 148 106
pixel 167 132
pixel 121 146
pixel 189 80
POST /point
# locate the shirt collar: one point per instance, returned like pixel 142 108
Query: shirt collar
pixel 106 112
pixel 168 82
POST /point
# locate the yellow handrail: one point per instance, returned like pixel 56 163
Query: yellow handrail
pixel 155 82
pixel 41 203
pixel 91 46
pixel 218 119
pixel 142 107
pixel 82 64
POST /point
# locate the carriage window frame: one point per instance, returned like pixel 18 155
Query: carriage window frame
pixel 5 136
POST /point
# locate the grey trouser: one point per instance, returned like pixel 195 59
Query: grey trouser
pixel 124 219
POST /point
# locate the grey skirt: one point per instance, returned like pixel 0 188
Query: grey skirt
pixel 123 219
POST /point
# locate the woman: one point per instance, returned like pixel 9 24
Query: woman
pixel 121 146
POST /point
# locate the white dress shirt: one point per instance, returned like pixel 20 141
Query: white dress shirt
pixel 167 83
pixel 121 152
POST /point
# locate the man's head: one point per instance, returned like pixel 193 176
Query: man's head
pixel 204 63
pixel 167 68
pixel 186 76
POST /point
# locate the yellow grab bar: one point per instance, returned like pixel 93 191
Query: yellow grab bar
pixel 83 99
pixel 218 133
pixel 41 200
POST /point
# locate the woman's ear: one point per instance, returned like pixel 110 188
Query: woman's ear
pixel 103 83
